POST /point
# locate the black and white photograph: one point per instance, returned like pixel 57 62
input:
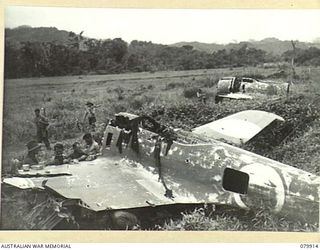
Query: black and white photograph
pixel 161 119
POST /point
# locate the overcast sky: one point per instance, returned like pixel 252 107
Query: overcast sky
pixel 168 26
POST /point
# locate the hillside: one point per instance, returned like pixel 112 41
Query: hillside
pixel 34 52
pixel 270 45
pixel 51 34
pixel 41 34
pixel 206 47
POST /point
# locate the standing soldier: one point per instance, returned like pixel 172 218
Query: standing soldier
pixel 90 113
pixel 201 96
pixel 42 124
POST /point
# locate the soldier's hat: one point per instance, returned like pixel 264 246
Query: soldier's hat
pixel 87 136
pixel 89 104
pixel 58 146
pixel 32 145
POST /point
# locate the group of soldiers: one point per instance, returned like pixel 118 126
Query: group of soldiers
pixel 89 151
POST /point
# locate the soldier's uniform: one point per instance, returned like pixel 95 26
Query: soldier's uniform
pixel 90 113
pixel 201 96
pixel 42 124
pixel 92 148
pixel 30 160
pixel 77 153
pixel 58 155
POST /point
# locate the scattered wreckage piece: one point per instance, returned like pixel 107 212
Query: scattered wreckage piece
pixel 236 96
pixel 48 171
pixel 35 209
pixel 22 183
pixel 146 165
pixel 239 87
pixel 238 128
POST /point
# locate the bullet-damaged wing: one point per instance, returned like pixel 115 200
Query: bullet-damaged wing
pixel 117 183
pixel 238 128
pixel 111 183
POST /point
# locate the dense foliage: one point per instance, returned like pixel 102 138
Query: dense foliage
pixel 74 55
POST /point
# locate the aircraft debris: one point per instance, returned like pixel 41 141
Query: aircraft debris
pixel 145 164
pixel 243 88
pixel 238 128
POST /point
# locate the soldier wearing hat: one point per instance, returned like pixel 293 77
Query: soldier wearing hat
pixel 59 157
pixel 90 113
pixel 42 124
pixel 33 151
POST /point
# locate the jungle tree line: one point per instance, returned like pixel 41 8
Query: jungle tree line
pixel 83 56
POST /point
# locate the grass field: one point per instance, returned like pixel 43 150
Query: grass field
pixel 64 97
pixel 163 96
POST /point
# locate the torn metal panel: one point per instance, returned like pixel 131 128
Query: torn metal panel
pixel 25 182
pixel 34 209
pixel 109 184
pixel 128 115
pixel 22 183
pixel 48 171
pixel 238 128
pixel 42 217
pixel 236 96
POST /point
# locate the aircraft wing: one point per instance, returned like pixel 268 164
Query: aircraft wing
pixel 238 128
pixel 110 183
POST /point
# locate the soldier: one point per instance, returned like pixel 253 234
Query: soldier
pixel 42 124
pixel 90 113
pixel 77 153
pixel 201 96
pixel 59 158
pixel 92 148
pixel 33 151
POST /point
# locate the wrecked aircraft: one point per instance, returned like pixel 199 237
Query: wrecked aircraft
pixel 238 128
pixel 241 87
pixel 147 166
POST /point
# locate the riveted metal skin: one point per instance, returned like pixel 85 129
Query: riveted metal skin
pixel 188 170
pixel 195 172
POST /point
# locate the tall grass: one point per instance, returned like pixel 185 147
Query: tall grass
pixel 234 220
